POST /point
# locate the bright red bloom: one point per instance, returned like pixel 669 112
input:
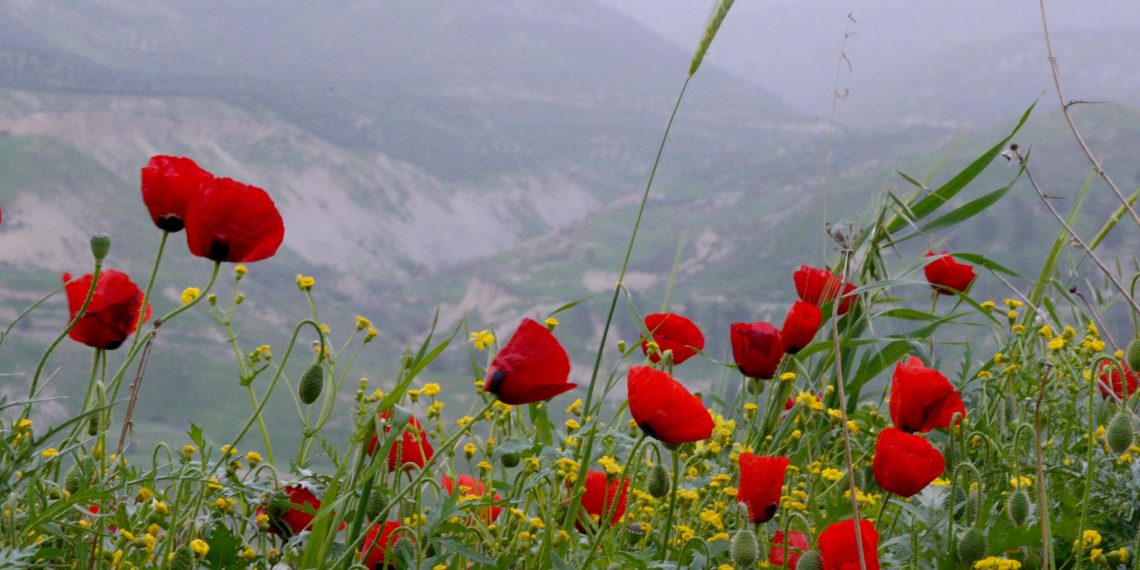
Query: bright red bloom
pixel 757 349
pixel 471 487
pixel 287 520
pixel 839 551
pixel 532 367
pixel 946 275
pixel 664 409
pixel 905 464
pixel 922 398
pixel 113 313
pixel 820 286
pixel 673 332
pixel 599 497
pixel 800 326
pixel 168 185
pixel 378 543
pixel 413 446
pixel 230 221
pixel 1109 376
pixel 761 480
pixel 797 544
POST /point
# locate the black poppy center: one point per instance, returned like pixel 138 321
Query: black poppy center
pixel 170 223
pixel 219 250
pixel 648 429
pixel 113 345
pixel 769 511
pixel 497 380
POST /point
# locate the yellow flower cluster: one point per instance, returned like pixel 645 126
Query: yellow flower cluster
pixel 996 563
pixel 1088 538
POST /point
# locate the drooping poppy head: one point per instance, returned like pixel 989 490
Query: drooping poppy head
pixel 820 287
pixel 168 185
pixel 113 313
pixel 378 543
pixel 664 409
pixel 471 489
pixel 905 464
pixel 291 511
pixel 757 349
pixel 599 497
pixel 761 481
pixel 230 221
pixel 946 275
pixel 800 326
pixel 797 544
pixel 839 550
pixel 673 332
pixel 412 450
pixel 922 398
pixel 532 367
pixel 1111 382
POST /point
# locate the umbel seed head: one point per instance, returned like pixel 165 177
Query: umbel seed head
pixel 1119 433
pixel 810 560
pixel 100 246
pixel 745 548
pixel 1017 507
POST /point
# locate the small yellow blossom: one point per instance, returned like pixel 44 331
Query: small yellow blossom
pixel 1020 482
pixel 550 322
pixel 430 389
pixel 24 425
pixel 144 495
pixel 996 563
pixel 572 424
pixel 305 282
pixel 189 294
pixel 240 271
pixel 940 482
pixel 1013 303
pixel 987 305
pixel 49 453
pixel 787 376
pixel 254 457
pixel 1088 538
pixel 1057 344
pixel 831 474
pixel 200 547
pixel 161 507
pixel 575 409
pixel 249 554
pixel 481 340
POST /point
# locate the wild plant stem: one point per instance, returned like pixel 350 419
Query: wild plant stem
pixel 663 550
pixel 1042 504
pixel 149 288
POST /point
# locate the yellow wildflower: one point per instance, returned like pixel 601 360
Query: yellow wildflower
pixel 481 340
pixel 200 547
pixel 305 282
pixel 189 294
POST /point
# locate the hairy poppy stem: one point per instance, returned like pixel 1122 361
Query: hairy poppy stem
pixel 663 550
pixel 149 288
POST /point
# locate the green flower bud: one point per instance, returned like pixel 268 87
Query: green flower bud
pixel 634 533
pixel 658 484
pixel 100 246
pixel 1132 355
pixel 510 460
pixel 810 560
pixel 1017 507
pixel 971 546
pixel 377 502
pixel 311 384
pixel 745 548
pixel 1119 433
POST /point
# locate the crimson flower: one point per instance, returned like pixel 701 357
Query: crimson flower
pixel 922 398
pixel 378 544
pixel 471 487
pixel 285 518
pixel 1110 377
pixel 905 464
pixel 532 367
pixel 761 480
pixel 664 409
pixel 600 495
pixel 673 332
pixel 821 286
pixel 413 447
pixel 168 185
pixel 797 543
pixel 757 349
pixel 947 276
pixel 839 551
pixel 230 221
pixel 800 326
pixel 113 313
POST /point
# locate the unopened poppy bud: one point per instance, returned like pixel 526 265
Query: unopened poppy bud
pixel 377 502
pixel 745 548
pixel 311 384
pixel 971 546
pixel 621 346
pixel 1119 433
pixel 1133 354
pixel 1017 507
pixel 405 548
pixel 658 484
pixel 810 560
pixel 755 386
pixel 634 533
pixel 510 460
pixel 100 246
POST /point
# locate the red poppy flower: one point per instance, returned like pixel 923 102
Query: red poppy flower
pixel 287 520
pixel 664 409
pixel 800 326
pixel 378 543
pixel 905 464
pixel 1110 377
pixel 599 497
pixel 168 185
pixel 413 447
pixel 946 275
pixel 673 332
pixel 761 480
pixel 532 367
pixel 113 313
pixel 757 349
pixel 471 487
pixel 230 221
pixel 797 544
pixel 820 286
pixel 922 398
pixel 839 551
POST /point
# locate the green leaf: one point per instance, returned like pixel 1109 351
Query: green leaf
pixel 225 549
pixel 909 315
pixel 986 262
pixel 873 365
pixel 462 550
pixel 964 212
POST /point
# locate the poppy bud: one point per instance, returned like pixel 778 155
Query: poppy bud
pixel 1017 507
pixel 377 502
pixel 634 533
pixel 1119 433
pixel 100 246
pixel 971 546
pixel 621 346
pixel 745 548
pixel 510 460
pixel 800 326
pixel 1134 354
pixel 405 548
pixel 658 484
pixel 311 384
pixel 810 561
